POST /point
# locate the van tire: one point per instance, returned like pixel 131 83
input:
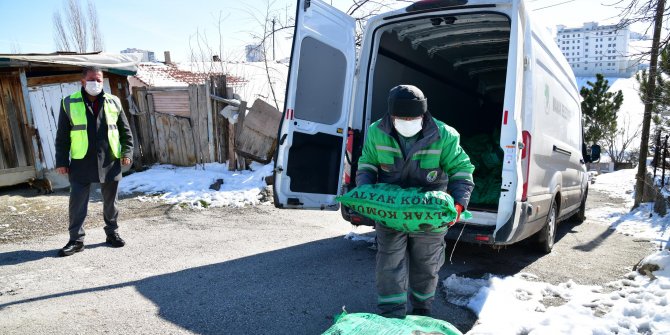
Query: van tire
pixel 580 216
pixel 547 235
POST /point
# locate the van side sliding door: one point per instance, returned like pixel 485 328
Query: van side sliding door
pixel 312 135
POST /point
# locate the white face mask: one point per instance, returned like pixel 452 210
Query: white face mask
pixel 93 87
pixel 408 128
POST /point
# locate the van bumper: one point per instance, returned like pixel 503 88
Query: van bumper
pixel 507 234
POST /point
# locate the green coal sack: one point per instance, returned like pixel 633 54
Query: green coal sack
pixel 404 209
pixel 372 324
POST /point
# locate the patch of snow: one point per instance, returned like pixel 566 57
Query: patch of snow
pixel 641 222
pixel 619 184
pixel 638 303
pixel 190 185
pixel 520 304
pixel 359 237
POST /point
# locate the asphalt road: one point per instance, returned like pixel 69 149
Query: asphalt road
pixel 253 271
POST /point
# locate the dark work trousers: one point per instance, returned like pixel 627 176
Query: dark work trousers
pixel 79 193
pixel 407 261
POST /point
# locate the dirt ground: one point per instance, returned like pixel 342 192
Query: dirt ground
pixel 25 214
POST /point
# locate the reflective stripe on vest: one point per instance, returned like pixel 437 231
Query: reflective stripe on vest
pixel 75 108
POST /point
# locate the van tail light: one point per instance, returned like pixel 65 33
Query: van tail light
pixel 525 162
pixel 349 155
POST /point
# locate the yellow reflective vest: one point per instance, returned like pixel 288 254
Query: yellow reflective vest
pixel 75 108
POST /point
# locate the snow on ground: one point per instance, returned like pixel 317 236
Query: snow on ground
pixel 359 237
pixel 641 222
pixel 191 185
pixel 639 303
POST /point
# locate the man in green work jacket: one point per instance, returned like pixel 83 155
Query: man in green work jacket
pixel 408 147
pixel 92 142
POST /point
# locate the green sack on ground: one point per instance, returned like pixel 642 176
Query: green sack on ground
pixel 404 209
pixel 372 324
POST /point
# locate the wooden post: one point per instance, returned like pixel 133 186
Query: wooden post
pixel 241 162
pixel 220 124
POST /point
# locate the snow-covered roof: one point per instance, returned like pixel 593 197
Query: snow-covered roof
pixel 250 80
pixel 123 64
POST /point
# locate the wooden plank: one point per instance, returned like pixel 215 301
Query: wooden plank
pixel 173 102
pixel 55 79
pixel 3 160
pixel 34 143
pixel 241 162
pixel 38 102
pixel 9 158
pixel 201 125
pixel 157 140
pixel 190 153
pixel 176 142
pixel 162 132
pixel 148 144
pixel 173 143
pixel 25 126
pixel 193 121
pixel 13 116
pixel 210 122
pixel 17 116
pixel 264 118
pixel 232 162
pixel 53 95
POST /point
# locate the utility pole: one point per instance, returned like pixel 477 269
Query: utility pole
pixel 273 39
pixel 648 105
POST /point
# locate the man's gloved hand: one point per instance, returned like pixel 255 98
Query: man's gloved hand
pixel 459 210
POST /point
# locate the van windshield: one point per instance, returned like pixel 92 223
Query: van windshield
pixel 460 63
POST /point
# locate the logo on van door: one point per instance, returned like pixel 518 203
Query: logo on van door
pixel 546 98
pixel 432 176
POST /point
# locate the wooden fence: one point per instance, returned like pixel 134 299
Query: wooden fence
pixel 181 126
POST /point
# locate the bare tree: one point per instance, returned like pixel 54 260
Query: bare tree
pixel 619 144
pixel 643 13
pixel 15 48
pixel 73 30
pixel 96 34
pixel 60 34
pixel 653 13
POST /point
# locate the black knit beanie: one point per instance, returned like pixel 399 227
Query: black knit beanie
pixel 407 101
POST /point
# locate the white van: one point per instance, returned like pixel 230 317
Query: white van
pixel 487 70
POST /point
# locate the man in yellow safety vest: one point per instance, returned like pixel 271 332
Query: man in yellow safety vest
pixel 92 142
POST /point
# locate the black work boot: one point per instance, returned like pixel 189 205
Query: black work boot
pixel 115 240
pixel 71 248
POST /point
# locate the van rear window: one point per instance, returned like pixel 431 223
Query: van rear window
pixel 322 70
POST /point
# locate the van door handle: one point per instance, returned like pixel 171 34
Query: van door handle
pixel 562 151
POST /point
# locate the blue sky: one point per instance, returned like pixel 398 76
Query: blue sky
pixel 169 24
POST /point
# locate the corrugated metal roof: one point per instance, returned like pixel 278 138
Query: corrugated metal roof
pixel 123 64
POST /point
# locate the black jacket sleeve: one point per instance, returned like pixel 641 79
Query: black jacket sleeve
pixel 63 139
pixel 125 135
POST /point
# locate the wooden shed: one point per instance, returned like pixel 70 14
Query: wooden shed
pixel 31 88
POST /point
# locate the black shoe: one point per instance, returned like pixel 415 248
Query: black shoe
pixel 71 248
pixel 421 312
pixel 115 240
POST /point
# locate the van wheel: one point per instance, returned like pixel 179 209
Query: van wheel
pixel 580 216
pixel 547 235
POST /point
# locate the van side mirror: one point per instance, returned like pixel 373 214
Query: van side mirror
pixel 595 153
pixel 585 154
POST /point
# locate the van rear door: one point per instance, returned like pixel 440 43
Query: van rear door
pixel 313 131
